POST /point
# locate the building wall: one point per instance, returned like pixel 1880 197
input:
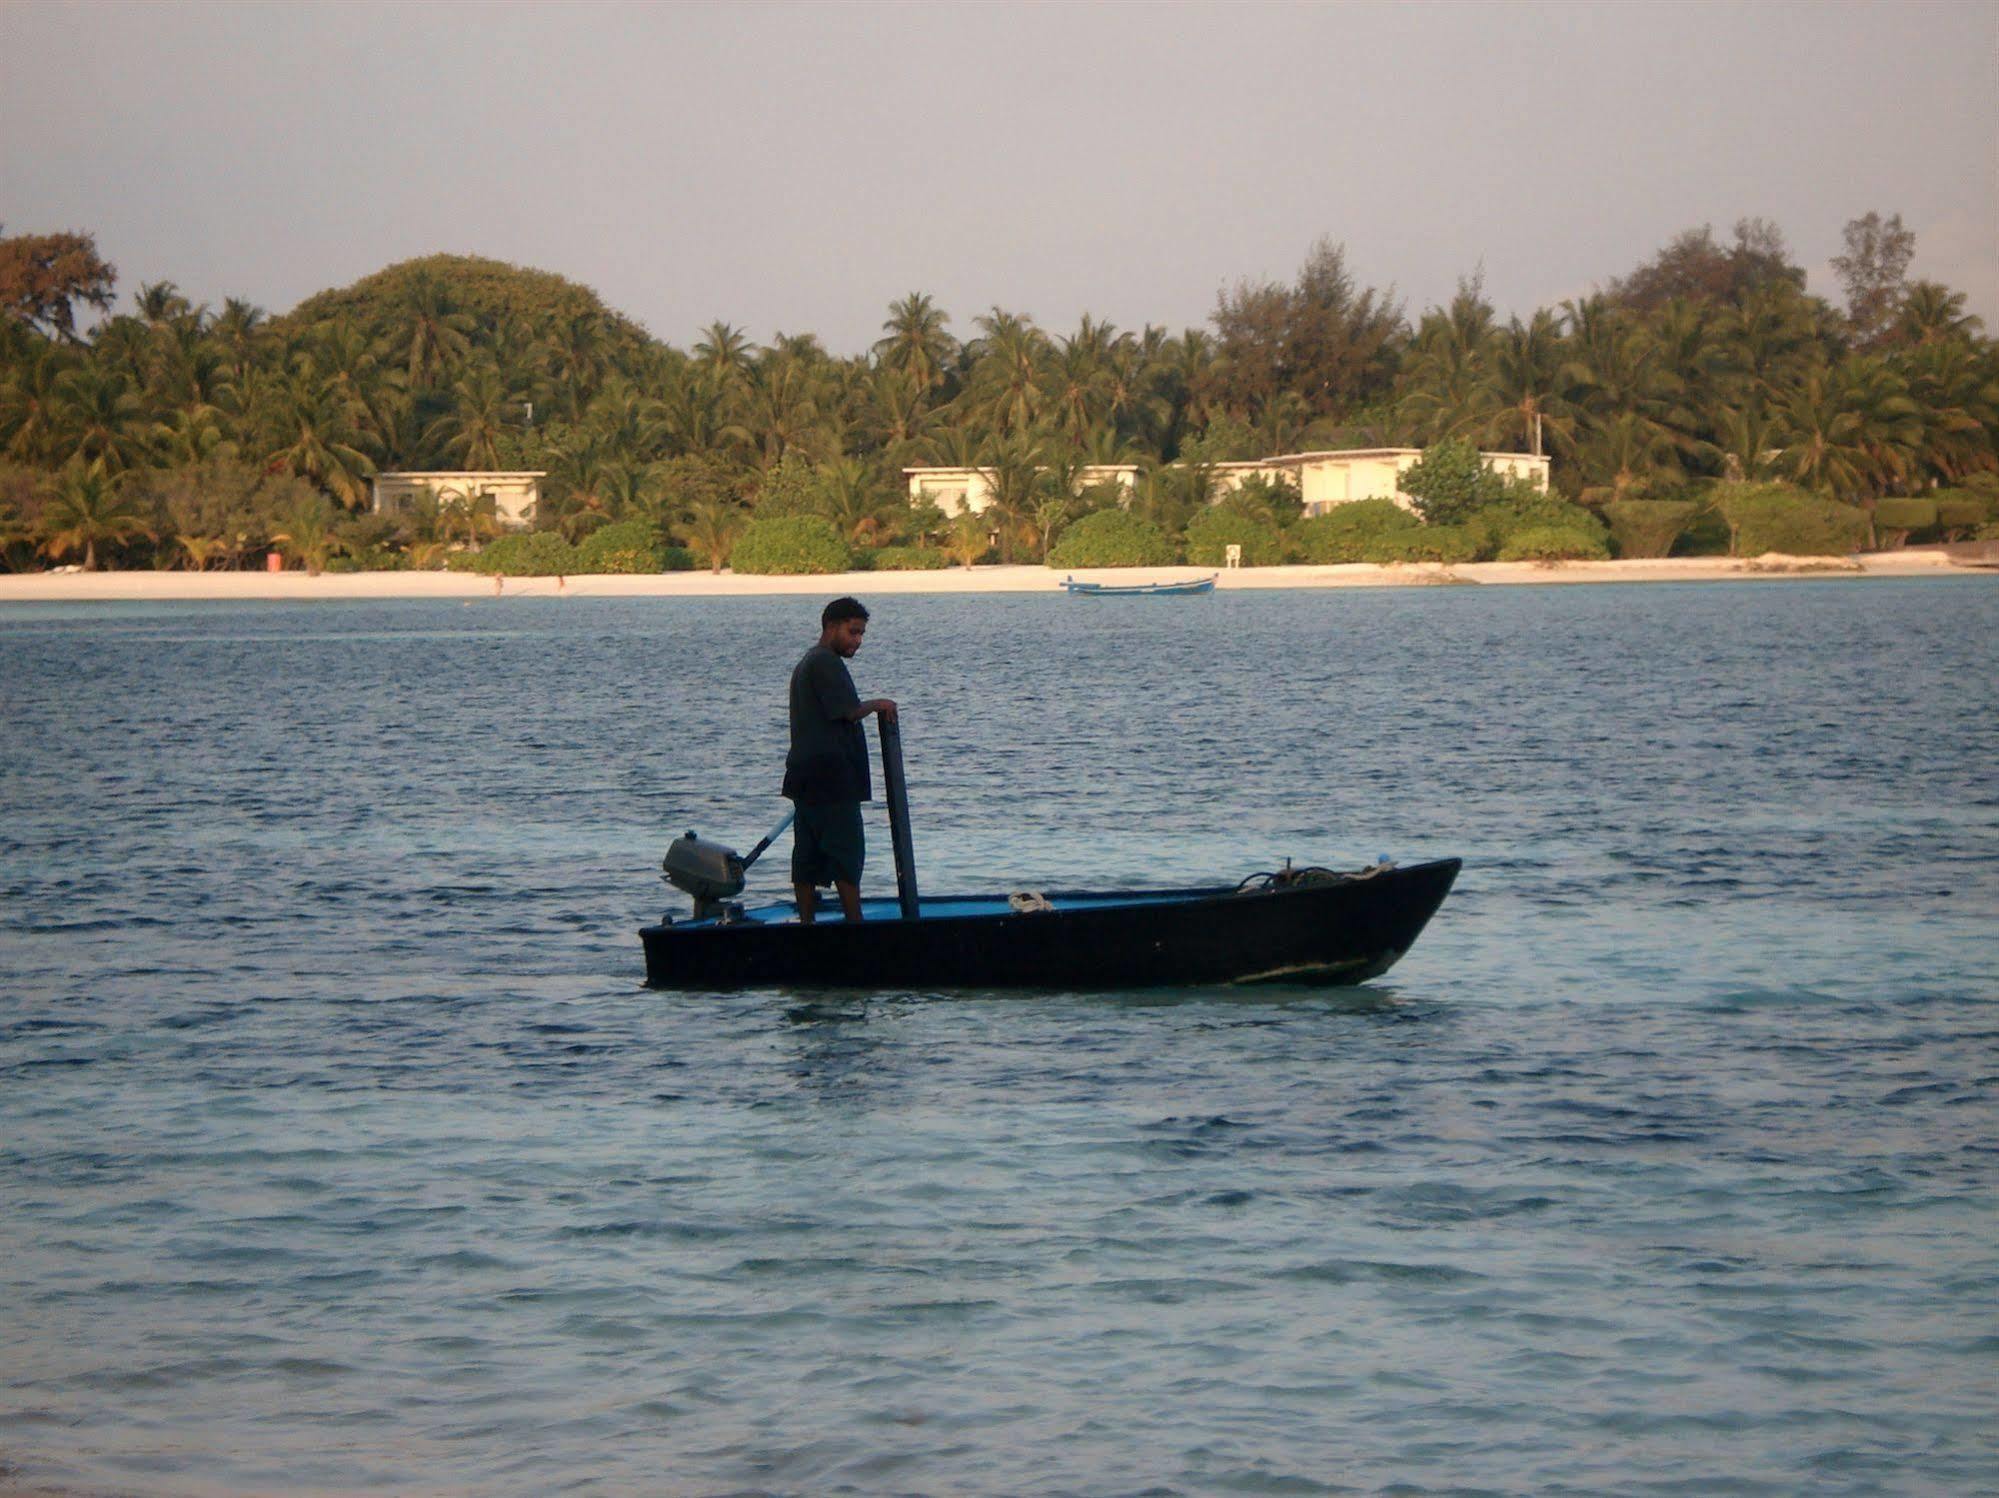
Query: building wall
pixel 957 491
pixel 1324 479
pixel 515 495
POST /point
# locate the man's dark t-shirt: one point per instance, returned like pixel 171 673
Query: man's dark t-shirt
pixel 828 761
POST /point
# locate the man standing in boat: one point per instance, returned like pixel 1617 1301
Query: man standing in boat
pixel 826 772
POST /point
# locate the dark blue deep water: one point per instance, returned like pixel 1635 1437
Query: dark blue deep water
pixel 342 1152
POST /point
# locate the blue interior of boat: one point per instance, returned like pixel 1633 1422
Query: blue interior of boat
pixel 958 907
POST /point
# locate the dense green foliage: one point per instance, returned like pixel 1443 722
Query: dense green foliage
pixel 1896 519
pixel 1113 538
pixel 1429 543
pixel 527 554
pixel 1782 518
pixel 1212 532
pixel 1524 508
pixel 1552 543
pixel 1352 532
pixel 907 559
pixel 630 546
pixel 1711 364
pixel 791 544
pixel 1450 483
pixel 1648 527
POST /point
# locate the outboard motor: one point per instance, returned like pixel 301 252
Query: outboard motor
pixel 709 872
pixel 713 874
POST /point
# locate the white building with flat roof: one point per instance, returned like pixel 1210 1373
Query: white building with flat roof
pixel 514 495
pixel 957 491
pixel 1323 479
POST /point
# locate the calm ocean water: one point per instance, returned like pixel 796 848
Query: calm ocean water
pixel 341 1151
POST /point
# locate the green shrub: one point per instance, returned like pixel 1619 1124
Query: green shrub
pixel 907 559
pixel 1450 483
pixel 1648 527
pixel 1895 520
pixel 519 554
pixel 1425 543
pixel 628 546
pixel 791 545
pixel 1781 518
pixel 1112 538
pixel 1553 543
pixel 1345 532
pixel 1498 523
pixel 1960 512
pixel 1212 532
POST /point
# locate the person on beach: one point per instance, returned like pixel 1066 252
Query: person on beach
pixel 826 770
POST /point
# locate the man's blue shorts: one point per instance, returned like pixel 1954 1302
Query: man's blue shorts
pixel 827 844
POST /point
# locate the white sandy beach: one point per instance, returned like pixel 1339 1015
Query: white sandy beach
pixel 74 587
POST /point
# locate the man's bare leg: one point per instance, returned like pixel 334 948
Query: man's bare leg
pixel 807 900
pixel 850 899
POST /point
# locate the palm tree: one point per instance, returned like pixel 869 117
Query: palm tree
pixel 917 345
pixel 1745 443
pixel 1079 383
pixel 470 433
pixel 1623 452
pixel 1187 383
pixel 853 500
pixel 1528 385
pixel 239 332
pixel 1932 313
pixel 314 432
pixel 193 436
pixel 1821 439
pixel 710 530
pixel 1012 467
pixel 201 550
pixel 307 532
pixel 968 538
pixel 88 506
pixel 161 303
pixel 723 350
pixel 782 405
pixel 437 332
pixel 1956 387
pixel 100 419
pixel 32 400
pixel 1008 371
pixel 1891 424
pixel 576 359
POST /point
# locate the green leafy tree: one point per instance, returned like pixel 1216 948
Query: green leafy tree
pixel 1873 271
pixel 1450 483
pixel 44 278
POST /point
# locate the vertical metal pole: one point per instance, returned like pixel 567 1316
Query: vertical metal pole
pixel 897 791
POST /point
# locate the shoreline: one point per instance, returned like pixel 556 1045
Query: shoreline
pixel 155 587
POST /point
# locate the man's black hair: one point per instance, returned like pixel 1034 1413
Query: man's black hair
pixel 841 608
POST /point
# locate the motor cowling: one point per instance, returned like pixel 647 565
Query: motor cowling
pixel 708 871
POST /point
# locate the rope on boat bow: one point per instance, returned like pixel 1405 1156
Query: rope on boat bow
pixel 1311 874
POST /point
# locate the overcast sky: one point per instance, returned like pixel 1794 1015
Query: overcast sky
pixel 795 168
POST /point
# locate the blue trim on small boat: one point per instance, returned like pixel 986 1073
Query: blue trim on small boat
pixel 1139 590
pixel 962 907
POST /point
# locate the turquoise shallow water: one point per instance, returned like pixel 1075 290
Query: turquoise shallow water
pixel 341 1152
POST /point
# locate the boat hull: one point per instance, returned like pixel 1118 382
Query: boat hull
pixel 1139 590
pixel 1316 933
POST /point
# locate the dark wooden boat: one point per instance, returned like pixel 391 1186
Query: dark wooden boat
pixel 1310 928
pixel 1139 590
pixel 1294 926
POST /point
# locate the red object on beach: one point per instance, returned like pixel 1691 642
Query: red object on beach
pixel 273 562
